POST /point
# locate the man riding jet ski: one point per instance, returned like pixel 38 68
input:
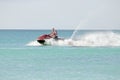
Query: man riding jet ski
pixel 53 34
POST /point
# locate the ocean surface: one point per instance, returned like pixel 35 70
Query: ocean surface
pixel 83 55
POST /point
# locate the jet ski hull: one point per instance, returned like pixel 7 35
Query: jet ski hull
pixel 41 41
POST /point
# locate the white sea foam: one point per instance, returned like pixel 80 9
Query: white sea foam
pixel 98 39
pixel 88 39
pixel 33 43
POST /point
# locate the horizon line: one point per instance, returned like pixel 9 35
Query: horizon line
pixel 58 29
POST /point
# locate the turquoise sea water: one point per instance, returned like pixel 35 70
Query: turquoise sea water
pixel 21 62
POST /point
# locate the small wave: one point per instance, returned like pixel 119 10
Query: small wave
pixel 88 39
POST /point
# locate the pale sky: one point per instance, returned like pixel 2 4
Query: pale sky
pixel 61 14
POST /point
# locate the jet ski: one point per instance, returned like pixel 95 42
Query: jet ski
pixel 44 38
pixel 41 39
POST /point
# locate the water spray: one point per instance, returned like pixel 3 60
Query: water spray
pixel 82 23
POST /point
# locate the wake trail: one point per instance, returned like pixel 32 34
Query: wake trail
pixel 88 39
